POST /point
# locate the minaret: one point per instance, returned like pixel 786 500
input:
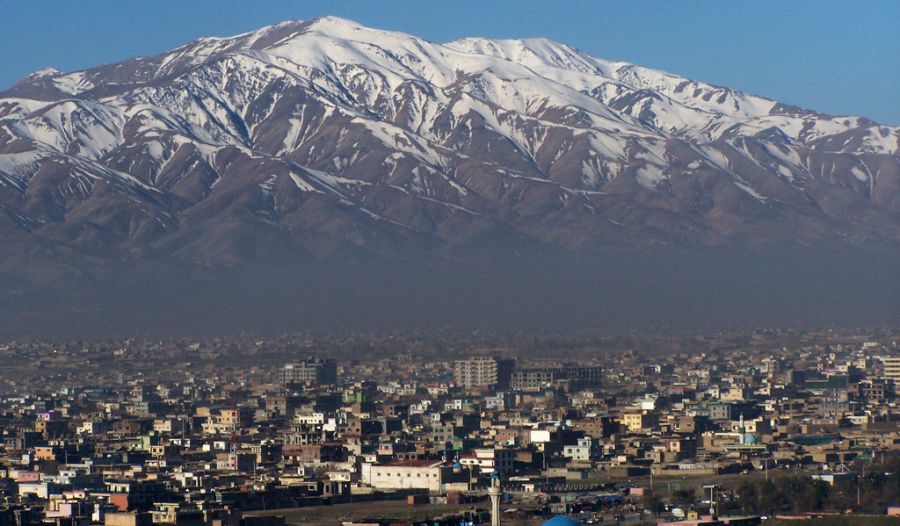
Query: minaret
pixel 494 493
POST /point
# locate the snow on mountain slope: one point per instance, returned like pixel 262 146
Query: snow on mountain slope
pixel 326 134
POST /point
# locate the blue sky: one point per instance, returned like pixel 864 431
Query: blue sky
pixel 836 57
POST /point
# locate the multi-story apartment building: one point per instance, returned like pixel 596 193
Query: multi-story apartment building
pixel 314 370
pixel 531 379
pixel 484 371
pixel 538 378
pixel 892 368
pixel 638 421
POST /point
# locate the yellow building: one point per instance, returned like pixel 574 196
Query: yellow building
pixel 637 421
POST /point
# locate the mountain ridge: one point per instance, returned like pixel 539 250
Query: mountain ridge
pixel 311 139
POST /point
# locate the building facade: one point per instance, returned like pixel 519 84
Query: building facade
pixel 538 378
pixel 892 369
pixel 315 371
pixel 484 371
pixel 434 476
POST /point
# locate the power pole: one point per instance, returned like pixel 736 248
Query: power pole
pixel 712 499
pixel 859 483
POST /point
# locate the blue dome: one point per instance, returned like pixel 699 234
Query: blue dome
pixel 559 520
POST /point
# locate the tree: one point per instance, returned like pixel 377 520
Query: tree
pixel 770 498
pixel 684 496
pixel 748 497
pixel 652 502
pixel 809 495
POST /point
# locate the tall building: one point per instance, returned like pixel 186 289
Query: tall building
pixel 312 370
pixel 484 371
pixel 892 368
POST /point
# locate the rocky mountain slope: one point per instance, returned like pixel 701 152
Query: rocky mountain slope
pixel 316 139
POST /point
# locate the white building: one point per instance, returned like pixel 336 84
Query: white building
pixel 488 460
pixel 582 451
pixel 434 475
pixel 309 418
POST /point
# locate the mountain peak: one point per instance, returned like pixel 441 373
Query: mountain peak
pixel 331 22
pixel 45 72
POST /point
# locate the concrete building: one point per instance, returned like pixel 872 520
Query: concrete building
pixel 582 451
pixel 313 370
pixel 637 421
pixel 892 368
pixel 434 475
pixel 531 379
pixel 484 371
pixel 490 460
pixel 538 378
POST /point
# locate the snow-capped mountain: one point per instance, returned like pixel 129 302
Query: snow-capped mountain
pixel 321 136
